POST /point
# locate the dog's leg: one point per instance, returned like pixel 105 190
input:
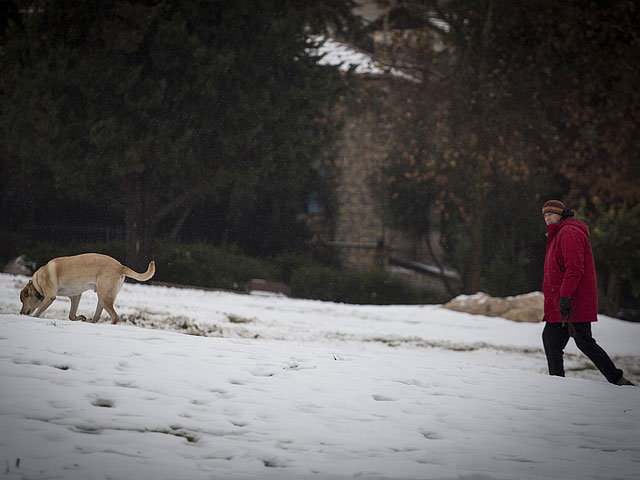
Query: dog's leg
pixel 107 293
pixel 107 303
pixel 46 303
pixel 96 315
pixel 75 301
pixel 108 306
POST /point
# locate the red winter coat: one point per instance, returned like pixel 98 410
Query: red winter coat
pixel 569 272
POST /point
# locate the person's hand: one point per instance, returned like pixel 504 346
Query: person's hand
pixel 565 307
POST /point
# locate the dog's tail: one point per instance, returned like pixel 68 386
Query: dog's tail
pixel 142 277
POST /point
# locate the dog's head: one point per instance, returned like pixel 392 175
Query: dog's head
pixel 30 299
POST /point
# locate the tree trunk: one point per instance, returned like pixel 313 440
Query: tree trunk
pixel 609 297
pixel 143 216
pixel 138 221
pixel 435 260
pixel 476 249
pixel 477 208
pixel 177 226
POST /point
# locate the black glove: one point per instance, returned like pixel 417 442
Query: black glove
pixel 565 307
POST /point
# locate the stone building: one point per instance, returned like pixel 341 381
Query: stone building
pixel 360 231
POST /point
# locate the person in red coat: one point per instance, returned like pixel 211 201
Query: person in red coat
pixel 571 293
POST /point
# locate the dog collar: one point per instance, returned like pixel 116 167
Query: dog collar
pixel 39 296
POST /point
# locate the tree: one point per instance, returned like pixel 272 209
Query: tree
pixel 593 52
pixel 615 238
pixel 472 132
pixel 157 105
pixel 590 51
pixel 518 102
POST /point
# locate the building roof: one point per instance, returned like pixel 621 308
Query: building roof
pixel 347 57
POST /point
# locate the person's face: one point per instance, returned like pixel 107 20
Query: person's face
pixel 551 218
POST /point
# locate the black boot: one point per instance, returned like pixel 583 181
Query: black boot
pixel 624 381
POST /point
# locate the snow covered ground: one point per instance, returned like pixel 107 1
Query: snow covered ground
pixel 268 387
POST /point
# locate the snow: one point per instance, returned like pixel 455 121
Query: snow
pixel 346 57
pixel 283 388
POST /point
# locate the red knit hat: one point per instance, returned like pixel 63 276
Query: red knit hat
pixel 555 206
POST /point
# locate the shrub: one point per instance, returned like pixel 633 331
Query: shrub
pixel 373 287
pixel 206 265
pixel 41 253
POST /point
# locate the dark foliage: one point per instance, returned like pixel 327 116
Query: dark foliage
pixel 162 114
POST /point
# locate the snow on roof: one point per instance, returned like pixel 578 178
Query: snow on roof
pixel 346 57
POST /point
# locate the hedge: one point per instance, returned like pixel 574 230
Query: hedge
pixel 227 268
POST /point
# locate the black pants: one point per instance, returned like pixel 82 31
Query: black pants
pixel 555 337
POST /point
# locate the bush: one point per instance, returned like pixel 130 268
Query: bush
pixel 41 253
pixel 11 245
pixel 373 287
pixel 205 265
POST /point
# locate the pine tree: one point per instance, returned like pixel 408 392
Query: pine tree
pixel 154 106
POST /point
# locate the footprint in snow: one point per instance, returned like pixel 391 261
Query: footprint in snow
pixel 383 398
pixel 104 402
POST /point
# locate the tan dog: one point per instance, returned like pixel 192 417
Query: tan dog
pixel 70 276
